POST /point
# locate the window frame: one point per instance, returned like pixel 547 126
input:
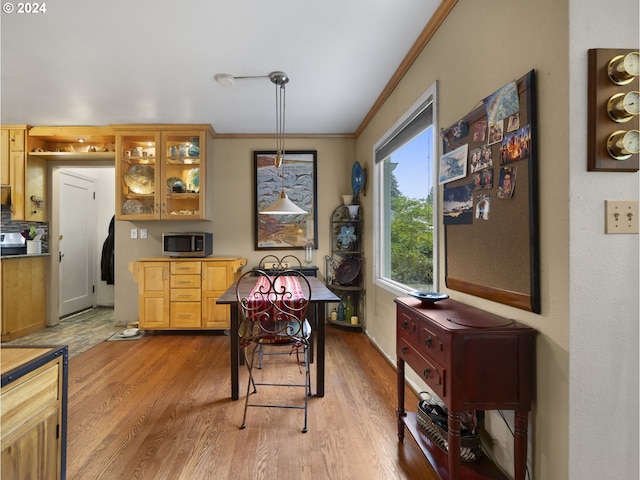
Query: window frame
pixel 380 226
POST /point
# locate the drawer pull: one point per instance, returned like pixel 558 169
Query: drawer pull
pixel 429 342
pixel 404 349
pixel 405 324
pixel 427 372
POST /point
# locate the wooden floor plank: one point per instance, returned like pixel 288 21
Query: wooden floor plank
pixel 160 408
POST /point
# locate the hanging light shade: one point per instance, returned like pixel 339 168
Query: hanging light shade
pixel 282 206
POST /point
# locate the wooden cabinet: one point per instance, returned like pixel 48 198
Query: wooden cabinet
pixel 345 266
pixel 12 155
pixel 33 412
pixel 154 290
pixel 23 296
pixel 181 294
pixel 472 360
pixel 159 169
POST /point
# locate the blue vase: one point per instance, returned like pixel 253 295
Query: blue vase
pixel 341 312
pixel 194 147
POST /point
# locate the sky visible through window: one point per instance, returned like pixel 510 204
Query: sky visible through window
pixel 413 172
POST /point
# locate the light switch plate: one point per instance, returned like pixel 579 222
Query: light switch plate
pixel 134 233
pixel 621 216
pixel 143 233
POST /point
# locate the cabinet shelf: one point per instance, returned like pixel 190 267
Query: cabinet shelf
pixel 76 156
pixel 348 325
pixel 352 288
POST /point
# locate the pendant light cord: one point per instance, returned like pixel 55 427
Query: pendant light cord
pixel 280 126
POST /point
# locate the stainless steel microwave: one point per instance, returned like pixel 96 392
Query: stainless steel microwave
pixel 187 244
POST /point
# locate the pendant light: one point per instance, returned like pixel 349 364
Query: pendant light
pixel 282 206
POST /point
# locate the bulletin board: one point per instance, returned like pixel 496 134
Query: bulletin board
pixel 489 173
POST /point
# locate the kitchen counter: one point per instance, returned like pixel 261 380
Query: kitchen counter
pixel 24 255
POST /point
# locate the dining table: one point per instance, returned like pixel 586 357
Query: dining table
pixel 320 296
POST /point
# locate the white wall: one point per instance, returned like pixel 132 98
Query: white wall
pixel 604 286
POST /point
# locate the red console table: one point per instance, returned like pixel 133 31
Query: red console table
pixel 473 360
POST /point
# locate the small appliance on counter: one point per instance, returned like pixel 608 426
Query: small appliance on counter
pixel 12 244
pixel 187 244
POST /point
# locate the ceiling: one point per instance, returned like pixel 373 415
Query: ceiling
pixel 153 61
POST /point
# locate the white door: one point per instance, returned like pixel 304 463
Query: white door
pixel 77 256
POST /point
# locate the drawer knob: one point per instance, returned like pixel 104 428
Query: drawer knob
pixel 405 324
pixel 429 342
pixel 404 349
pixel 427 372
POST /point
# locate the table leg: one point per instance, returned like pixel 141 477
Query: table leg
pixel 520 444
pixel 320 350
pixel 400 385
pixel 235 353
pixel 454 445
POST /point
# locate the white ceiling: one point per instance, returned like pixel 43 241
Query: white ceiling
pixel 89 62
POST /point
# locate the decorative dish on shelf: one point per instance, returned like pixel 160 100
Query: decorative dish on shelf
pixel 348 270
pixel 193 180
pixel 428 297
pixel 140 179
pixel 347 236
pixel 132 207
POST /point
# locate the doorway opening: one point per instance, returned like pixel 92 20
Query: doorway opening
pixel 82 200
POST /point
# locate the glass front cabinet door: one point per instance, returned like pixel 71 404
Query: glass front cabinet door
pixel 159 174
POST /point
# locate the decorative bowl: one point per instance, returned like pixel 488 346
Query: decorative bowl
pixel 428 297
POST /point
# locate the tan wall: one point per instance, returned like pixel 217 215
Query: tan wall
pixel 232 224
pixel 481 46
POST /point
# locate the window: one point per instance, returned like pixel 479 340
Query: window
pixel 405 223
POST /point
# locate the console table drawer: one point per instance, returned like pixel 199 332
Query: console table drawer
pixel 432 342
pixel 407 326
pixel 432 374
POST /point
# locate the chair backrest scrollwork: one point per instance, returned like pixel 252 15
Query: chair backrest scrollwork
pixel 273 307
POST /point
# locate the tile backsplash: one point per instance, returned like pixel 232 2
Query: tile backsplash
pixel 8 225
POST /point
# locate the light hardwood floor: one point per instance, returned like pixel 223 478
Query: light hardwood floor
pixel 160 408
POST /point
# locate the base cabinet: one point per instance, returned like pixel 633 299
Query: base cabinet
pixel 23 288
pixel 181 294
pixel 33 412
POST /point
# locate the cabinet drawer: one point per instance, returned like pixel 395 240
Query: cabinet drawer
pixel 185 294
pixel 186 314
pixel 407 325
pixel 24 398
pixel 185 281
pixel 185 268
pixel 432 342
pixel 433 374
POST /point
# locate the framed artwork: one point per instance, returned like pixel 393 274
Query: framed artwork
pixel 298 177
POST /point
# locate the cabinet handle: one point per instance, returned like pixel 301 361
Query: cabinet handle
pixel 429 342
pixel 427 372
pixel 404 349
pixel 405 324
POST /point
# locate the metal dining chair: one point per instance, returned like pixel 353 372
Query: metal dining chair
pixel 273 312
